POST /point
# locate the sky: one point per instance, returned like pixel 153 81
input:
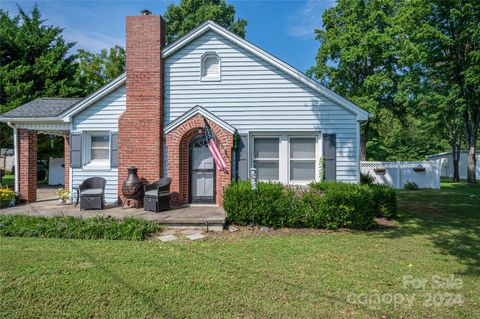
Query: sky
pixel 283 28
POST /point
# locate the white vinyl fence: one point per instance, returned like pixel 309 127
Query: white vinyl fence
pixel 396 174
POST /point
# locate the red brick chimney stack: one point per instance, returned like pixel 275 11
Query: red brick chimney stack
pixel 140 128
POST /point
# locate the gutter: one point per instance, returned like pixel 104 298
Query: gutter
pixel 29 119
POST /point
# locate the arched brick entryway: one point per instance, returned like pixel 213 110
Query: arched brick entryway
pixel 178 141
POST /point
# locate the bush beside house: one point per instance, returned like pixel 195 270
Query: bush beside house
pixel 329 205
pixel 385 200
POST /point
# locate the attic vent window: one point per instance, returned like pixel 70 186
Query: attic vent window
pixel 210 67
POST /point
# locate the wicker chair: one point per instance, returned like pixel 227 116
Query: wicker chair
pixel 157 195
pixel 91 193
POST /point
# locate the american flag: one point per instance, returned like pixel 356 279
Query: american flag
pixel 212 146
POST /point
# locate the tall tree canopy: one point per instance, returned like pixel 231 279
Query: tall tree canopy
pixel 95 70
pixel 413 64
pixel 188 14
pixel 357 59
pixel 34 62
pixel 443 46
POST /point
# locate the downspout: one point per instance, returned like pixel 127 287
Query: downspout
pixel 234 156
pixel 15 150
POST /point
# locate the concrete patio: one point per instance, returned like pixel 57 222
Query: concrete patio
pixel 204 216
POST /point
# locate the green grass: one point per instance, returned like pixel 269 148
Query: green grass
pixel 8 180
pixel 75 227
pixel 267 276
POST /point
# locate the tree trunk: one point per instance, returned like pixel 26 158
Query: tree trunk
pixel 363 142
pixel 471 124
pixel 456 161
pixel 472 165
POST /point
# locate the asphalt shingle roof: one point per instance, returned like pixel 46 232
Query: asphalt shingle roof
pixel 42 107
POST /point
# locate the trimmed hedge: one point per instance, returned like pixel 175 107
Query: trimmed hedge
pixel 74 227
pixel 345 205
pixel 385 200
pixel 330 205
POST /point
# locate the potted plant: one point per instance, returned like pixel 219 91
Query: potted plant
pixel 419 168
pixel 63 195
pixel 7 197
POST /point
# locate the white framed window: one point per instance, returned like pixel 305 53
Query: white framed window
pixel 290 158
pixel 302 159
pixel 210 67
pixel 97 149
pixel 266 158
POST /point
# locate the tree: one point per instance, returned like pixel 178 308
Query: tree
pixel 188 14
pixel 444 37
pixel 95 70
pixel 357 59
pixel 34 62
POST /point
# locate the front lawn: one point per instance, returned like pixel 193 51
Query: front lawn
pixel 8 180
pixel 319 275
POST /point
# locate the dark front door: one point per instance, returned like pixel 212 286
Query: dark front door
pixel 202 172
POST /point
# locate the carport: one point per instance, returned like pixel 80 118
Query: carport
pixel 40 116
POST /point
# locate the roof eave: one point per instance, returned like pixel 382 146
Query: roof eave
pixel 202 111
pixel 30 119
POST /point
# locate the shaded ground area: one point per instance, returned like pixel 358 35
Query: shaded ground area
pixel 47 193
pixel 450 218
pixel 316 274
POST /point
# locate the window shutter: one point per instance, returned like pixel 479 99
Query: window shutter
pixel 242 157
pixel 76 150
pixel 114 150
pixel 330 155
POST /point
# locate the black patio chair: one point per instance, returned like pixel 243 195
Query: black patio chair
pixel 91 193
pixel 157 195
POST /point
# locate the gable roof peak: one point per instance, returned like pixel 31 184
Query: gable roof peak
pixel 267 57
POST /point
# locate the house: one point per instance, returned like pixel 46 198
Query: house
pixel 263 112
pixel 446 163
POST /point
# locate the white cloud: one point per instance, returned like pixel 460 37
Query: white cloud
pixel 308 18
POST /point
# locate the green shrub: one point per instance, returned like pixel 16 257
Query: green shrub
pixel 270 205
pixel 385 200
pixel 366 179
pixel 345 205
pixel 74 227
pixel 411 186
pixel 322 205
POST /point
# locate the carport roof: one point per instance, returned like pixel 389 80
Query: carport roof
pixel 41 107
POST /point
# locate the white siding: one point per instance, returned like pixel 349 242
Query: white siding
pixel 102 115
pixel 253 96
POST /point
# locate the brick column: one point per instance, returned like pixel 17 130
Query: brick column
pixel 27 145
pixel 66 156
pixel 140 127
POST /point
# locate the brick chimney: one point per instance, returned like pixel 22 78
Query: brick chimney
pixel 140 127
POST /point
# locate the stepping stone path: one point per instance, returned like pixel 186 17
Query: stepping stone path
pixel 167 238
pixel 232 229
pixel 196 236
